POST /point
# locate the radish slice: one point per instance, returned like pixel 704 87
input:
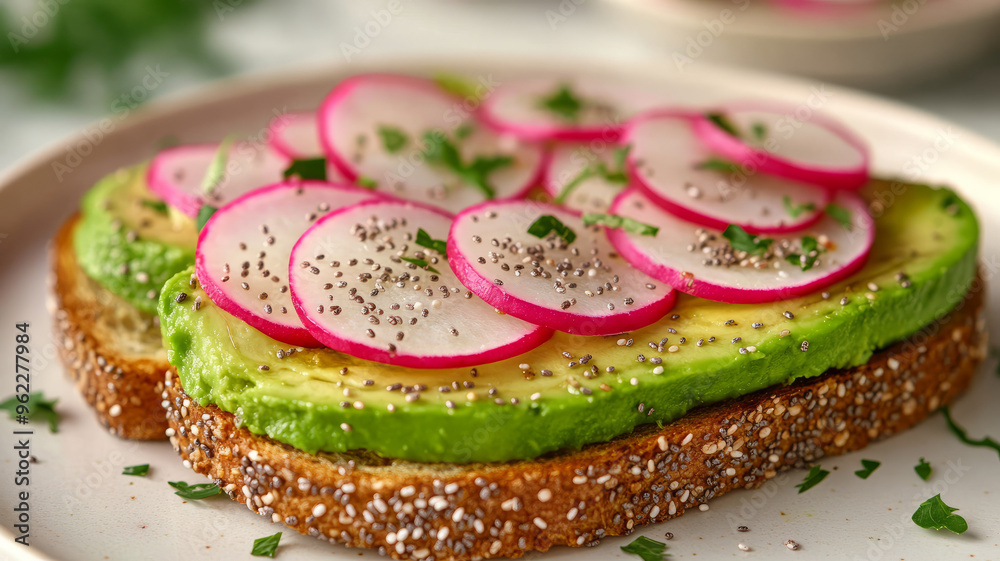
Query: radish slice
pixel 703 263
pixel 176 174
pixel 578 168
pixel 373 127
pixel 793 142
pixel 295 136
pixel 580 287
pixel 244 248
pixel 546 109
pixel 356 281
pixel 674 169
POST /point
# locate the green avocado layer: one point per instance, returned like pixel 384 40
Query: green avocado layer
pixel 922 265
pixel 130 241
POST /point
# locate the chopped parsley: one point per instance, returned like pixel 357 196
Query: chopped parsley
pixel 139 470
pixel 393 138
pixel 840 214
pixel 195 492
pixel 464 131
pixel 722 121
pixel 204 213
pixel 620 222
pixel 740 240
pixel 795 210
pixel 442 152
pixel 310 168
pixel 563 103
pixel 266 546
pixel 217 167
pixel 35 408
pixel 458 86
pixel 422 263
pixel 934 514
pixel 548 224
pixel 810 252
pixel 647 549
pixel 758 130
pixel 366 182
pixel 923 469
pixel 719 164
pixel 156 206
pixel 615 175
pixel 813 478
pixel 869 467
pixel 985 442
pixel 425 240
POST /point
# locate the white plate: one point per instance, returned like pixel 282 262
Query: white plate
pixel 81 508
pixel 883 45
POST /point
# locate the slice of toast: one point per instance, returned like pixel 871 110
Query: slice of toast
pixel 411 510
pixel 113 350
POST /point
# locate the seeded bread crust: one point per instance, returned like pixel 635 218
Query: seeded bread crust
pixel 113 351
pixel 410 510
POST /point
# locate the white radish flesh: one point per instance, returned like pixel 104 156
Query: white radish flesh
pixel 578 176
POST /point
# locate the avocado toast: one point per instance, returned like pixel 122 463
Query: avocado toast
pixel 387 374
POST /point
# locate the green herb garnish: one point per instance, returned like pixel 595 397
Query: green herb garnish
pixel 933 514
pixel 810 252
pixel 759 131
pixel 366 182
pixel 547 224
pixel 464 131
pixel 204 213
pixel 563 103
pixel 985 442
pixel 647 549
pixel 815 475
pixel 923 469
pixel 310 168
pixel 425 240
pixel 441 151
pixel 266 546
pixel 217 167
pixel 740 240
pixel 723 122
pixel 195 492
pixel 840 214
pixel 616 175
pixel 393 138
pixel 869 467
pixel 422 263
pixel 139 470
pixel 157 206
pixel 616 222
pixel 34 408
pixel 795 210
pixel 719 164
pixel 459 86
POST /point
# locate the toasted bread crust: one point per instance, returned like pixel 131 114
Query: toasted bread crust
pixel 112 350
pixel 410 510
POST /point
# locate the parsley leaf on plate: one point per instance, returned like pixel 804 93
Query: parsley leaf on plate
pixel 620 222
pixel 840 214
pixel 934 514
pixel 740 240
pixel 547 224
pixel 985 442
pixel 795 210
pixel 139 470
pixel 722 121
pixel 266 546
pixel 217 167
pixel 37 408
pixel 459 86
pixel 923 469
pixel 366 182
pixel 307 168
pixel 393 138
pixel 425 240
pixel 810 252
pixel 195 492
pixel 759 131
pixel 869 467
pixel 719 164
pixel 156 206
pixel 815 475
pixel 563 103
pixel 204 213
pixel 647 549
pixel 441 151
pixel 616 175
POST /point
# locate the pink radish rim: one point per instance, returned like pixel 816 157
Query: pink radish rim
pixel 689 214
pixel 277 128
pixel 543 132
pixel 540 315
pixel 291 335
pixel 158 182
pixel 850 178
pixel 729 294
pixel 532 339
